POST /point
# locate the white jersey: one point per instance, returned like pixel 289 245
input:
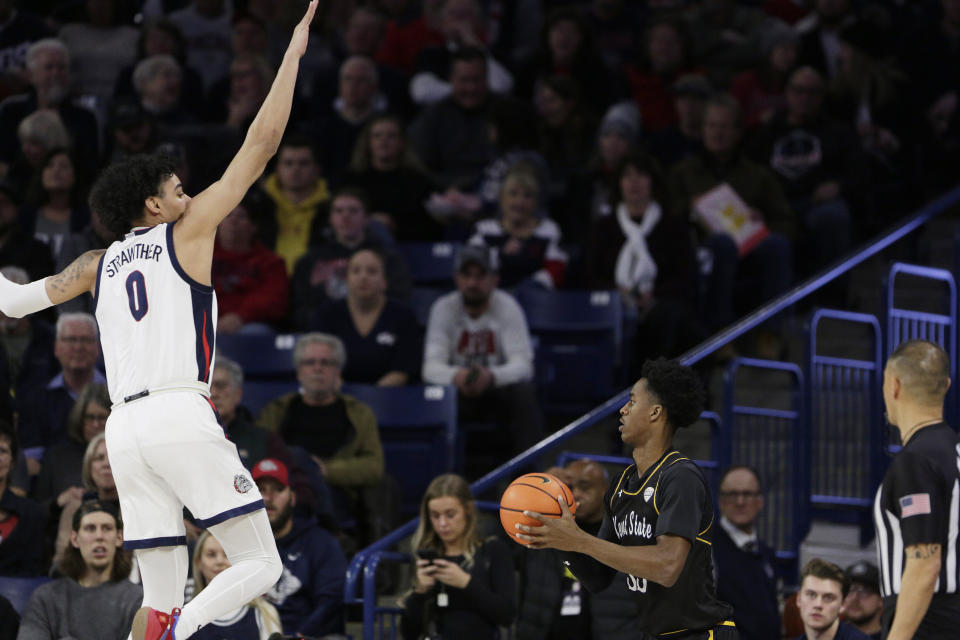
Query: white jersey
pixel 157 324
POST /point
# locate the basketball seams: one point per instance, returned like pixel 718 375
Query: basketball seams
pixel 532 486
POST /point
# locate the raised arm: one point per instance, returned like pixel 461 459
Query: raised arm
pixel 18 300
pixel 210 207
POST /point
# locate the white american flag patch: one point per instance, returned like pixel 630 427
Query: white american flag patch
pixel 915 504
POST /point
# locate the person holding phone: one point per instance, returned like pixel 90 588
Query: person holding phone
pixel 464 586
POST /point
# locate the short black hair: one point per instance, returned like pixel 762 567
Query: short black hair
pixel 677 388
pixel 356 193
pixel 119 193
pixel 467 54
pixel 299 141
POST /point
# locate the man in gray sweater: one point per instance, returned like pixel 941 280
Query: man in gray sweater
pixel 95 600
pixel 478 340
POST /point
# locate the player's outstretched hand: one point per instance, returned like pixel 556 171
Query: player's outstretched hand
pixel 301 33
pixel 553 533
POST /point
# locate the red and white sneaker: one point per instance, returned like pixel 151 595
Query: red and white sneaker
pixel 150 624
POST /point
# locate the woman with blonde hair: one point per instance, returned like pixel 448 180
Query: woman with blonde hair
pixel 256 620
pixel 464 585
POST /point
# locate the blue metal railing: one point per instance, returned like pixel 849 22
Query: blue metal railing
pixel 694 355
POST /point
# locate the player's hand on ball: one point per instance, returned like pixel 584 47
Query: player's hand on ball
pixel 450 573
pixel 553 533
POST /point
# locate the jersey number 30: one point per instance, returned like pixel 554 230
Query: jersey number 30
pixel 137 295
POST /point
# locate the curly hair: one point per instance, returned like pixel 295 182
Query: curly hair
pixel 119 193
pixel 678 389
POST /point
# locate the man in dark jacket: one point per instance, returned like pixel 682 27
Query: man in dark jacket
pixel 745 563
pixel 22 521
pixel 309 594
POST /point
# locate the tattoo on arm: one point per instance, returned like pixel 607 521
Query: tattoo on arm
pixel 65 281
pixel 922 551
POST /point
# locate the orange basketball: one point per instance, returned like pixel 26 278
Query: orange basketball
pixel 532 492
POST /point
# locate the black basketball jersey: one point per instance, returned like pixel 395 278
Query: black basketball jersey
pixel 919 503
pixel 672 497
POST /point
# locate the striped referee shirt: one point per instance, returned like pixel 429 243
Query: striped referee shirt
pixel 919 503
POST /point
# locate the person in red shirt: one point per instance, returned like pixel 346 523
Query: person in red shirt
pixel 251 281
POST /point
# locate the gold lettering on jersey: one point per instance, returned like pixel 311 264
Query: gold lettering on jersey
pixel 633 525
pixel 139 251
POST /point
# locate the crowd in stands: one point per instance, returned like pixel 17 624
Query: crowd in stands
pixel 565 144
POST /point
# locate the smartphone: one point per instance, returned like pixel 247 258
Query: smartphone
pixel 428 554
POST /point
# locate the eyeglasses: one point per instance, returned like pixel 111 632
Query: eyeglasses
pixel 321 362
pixel 739 495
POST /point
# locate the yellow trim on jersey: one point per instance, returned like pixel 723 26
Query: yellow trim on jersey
pixel 670 633
pixel 624 474
pixel 704 541
pixel 657 486
pixel 727 623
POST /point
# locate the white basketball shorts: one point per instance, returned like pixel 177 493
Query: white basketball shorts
pixel 168 450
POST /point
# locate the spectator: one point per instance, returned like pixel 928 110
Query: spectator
pixel 665 58
pixel 321 275
pixel 100 47
pixel 769 261
pixel 251 281
pixel 27 344
pixel 43 412
pixel 130 130
pixel 760 90
pixel 297 190
pixel 553 604
pixel 22 521
pixel 17 246
pixel 61 469
pixel 48 70
pixel 404 39
pixel 462 25
pixel 724 35
pixel 471 579
pixel 252 621
pixel 309 594
pixel 162 37
pixel 55 204
pixel 566 131
pixel 615 24
pixel 385 167
pixel 205 25
pixel 380 335
pixel 863 606
pixel 93 236
pixel 358 99
pixel 477 340
pixel 619 131
pixel 236 99
pixel 38 133
pixel 337 432
pixel 818 163
pixel 95 598
pixel 452 136
pixel 21 29
pixel 644 251
pixel 568 47
pixel 820 35
pixel 744 563
pixel 823 586
pixel 158 81
pixel 254 443
pixel 528 247
pixel 683 139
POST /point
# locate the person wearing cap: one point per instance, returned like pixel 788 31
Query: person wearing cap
pixel 683 138
pixel 863 606
pixel 131 131
pixel 478 341
pixel 95 598
pixel 309 593
pixel 823 587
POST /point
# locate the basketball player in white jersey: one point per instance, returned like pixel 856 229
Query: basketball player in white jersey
pixel 157 313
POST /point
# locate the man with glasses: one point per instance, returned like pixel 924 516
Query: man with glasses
pixel 44 411
pixel 745 563
pixel 863 606
pixel 326 428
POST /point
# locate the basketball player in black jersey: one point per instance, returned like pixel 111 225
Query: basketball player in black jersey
pixel 657 517
pixel 917 508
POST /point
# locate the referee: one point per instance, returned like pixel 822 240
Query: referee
pixel 916 509
pixel 657 517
